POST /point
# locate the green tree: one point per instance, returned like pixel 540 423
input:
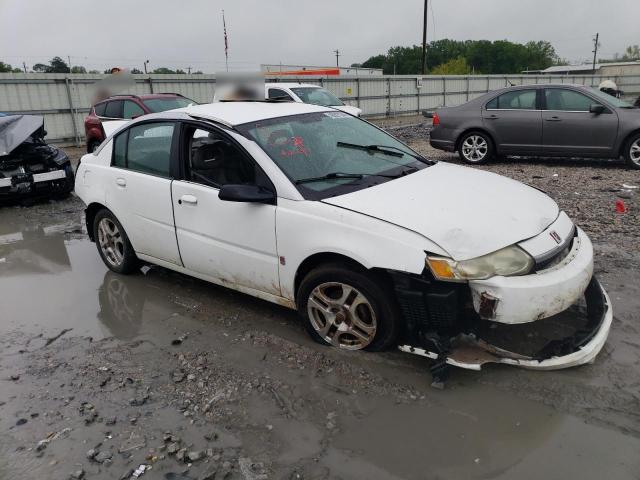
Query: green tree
pixel 5 67
pixel 56 65
pixel 163 70
pixel 136 71
pixel 457 66
pixel 481 56
pixel 78 69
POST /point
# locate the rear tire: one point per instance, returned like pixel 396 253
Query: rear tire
pixel 475 148
pixel 113 244
pixel 348 308
pixel 632 152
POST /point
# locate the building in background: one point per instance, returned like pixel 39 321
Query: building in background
pixel 612 69
pixel 298 70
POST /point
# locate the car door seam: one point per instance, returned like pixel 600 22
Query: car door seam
pixel 175 226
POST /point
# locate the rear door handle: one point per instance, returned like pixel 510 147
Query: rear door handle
pixel 121 182
pixel 553 119
pixel 188 199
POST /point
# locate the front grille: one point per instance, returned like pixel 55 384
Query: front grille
pixel 555 259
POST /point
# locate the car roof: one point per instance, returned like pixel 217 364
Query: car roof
pixel 237 113
pixel 290 85
pixel 143 96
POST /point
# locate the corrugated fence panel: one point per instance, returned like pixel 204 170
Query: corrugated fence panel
pixel 62 97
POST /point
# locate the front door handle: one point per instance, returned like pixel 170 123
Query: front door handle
pixel 188 199
pixel 121 182
pixel 492 117
pixel 553 119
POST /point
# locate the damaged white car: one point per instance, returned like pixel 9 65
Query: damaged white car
pixel 374 245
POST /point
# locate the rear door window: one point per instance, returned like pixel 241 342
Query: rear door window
pixel 132 109
pixel 113 109
pixel 145 148
pixel 515 100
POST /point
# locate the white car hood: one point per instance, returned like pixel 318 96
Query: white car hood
pixel 351 110
pixel 467 212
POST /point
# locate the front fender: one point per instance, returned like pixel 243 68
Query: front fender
pixel 305 228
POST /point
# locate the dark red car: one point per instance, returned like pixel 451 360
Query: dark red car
pixel 127 107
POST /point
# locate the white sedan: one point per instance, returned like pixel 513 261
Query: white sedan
pixel 374 245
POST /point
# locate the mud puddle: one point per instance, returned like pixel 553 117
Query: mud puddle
pixel 199 382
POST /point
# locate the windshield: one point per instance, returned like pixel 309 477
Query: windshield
pixel 616 102
pixel 156 105
pixel 317 150
pixel 317 96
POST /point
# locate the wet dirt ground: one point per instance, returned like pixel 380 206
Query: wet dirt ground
pixel 101 374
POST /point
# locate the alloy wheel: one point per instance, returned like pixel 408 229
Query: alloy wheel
pixel 111 242
pixel 634 152
pixel 474 148
pixel 342 315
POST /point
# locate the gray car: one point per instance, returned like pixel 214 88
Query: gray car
pixel 540 120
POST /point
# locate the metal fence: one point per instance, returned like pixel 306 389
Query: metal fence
pixel 65 99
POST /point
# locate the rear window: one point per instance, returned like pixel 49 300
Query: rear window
pixel 114 109
pixel 156 105
pixel 99 108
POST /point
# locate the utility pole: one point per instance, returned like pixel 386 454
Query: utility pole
pixel 189 70
pixel 424 38
pixel 69 58
pixel 595 51
pixel 24 65
pixel 337 52
pixel 146 62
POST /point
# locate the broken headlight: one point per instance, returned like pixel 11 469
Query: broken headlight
pixel 507 262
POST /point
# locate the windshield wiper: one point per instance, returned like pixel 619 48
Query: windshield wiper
pixel 357 176
pixel 399 152
pixel 370 148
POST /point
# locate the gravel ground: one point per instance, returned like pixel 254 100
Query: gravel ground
pixel 159 375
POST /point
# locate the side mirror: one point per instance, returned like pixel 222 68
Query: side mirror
pixel 247 193
pixel 596 108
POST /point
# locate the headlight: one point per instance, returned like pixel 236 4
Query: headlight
pixel 509 261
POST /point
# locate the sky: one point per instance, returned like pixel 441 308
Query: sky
pixel 183 33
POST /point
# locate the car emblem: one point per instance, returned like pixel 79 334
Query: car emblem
pixel 555 236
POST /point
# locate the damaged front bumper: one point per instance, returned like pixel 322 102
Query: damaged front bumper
pixel 558 316
pixel 471 352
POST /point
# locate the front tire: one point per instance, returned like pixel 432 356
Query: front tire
pixel 632 152
pixel 348 308
pixel 475 148
pixel 113 244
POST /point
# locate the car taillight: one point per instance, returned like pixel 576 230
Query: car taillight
pixel 436 119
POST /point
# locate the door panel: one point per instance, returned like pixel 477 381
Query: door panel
pixel 139 188
pixel 142 204
pixel 515 131
pixel 568 131
pixel 515 122
pixel 232 241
